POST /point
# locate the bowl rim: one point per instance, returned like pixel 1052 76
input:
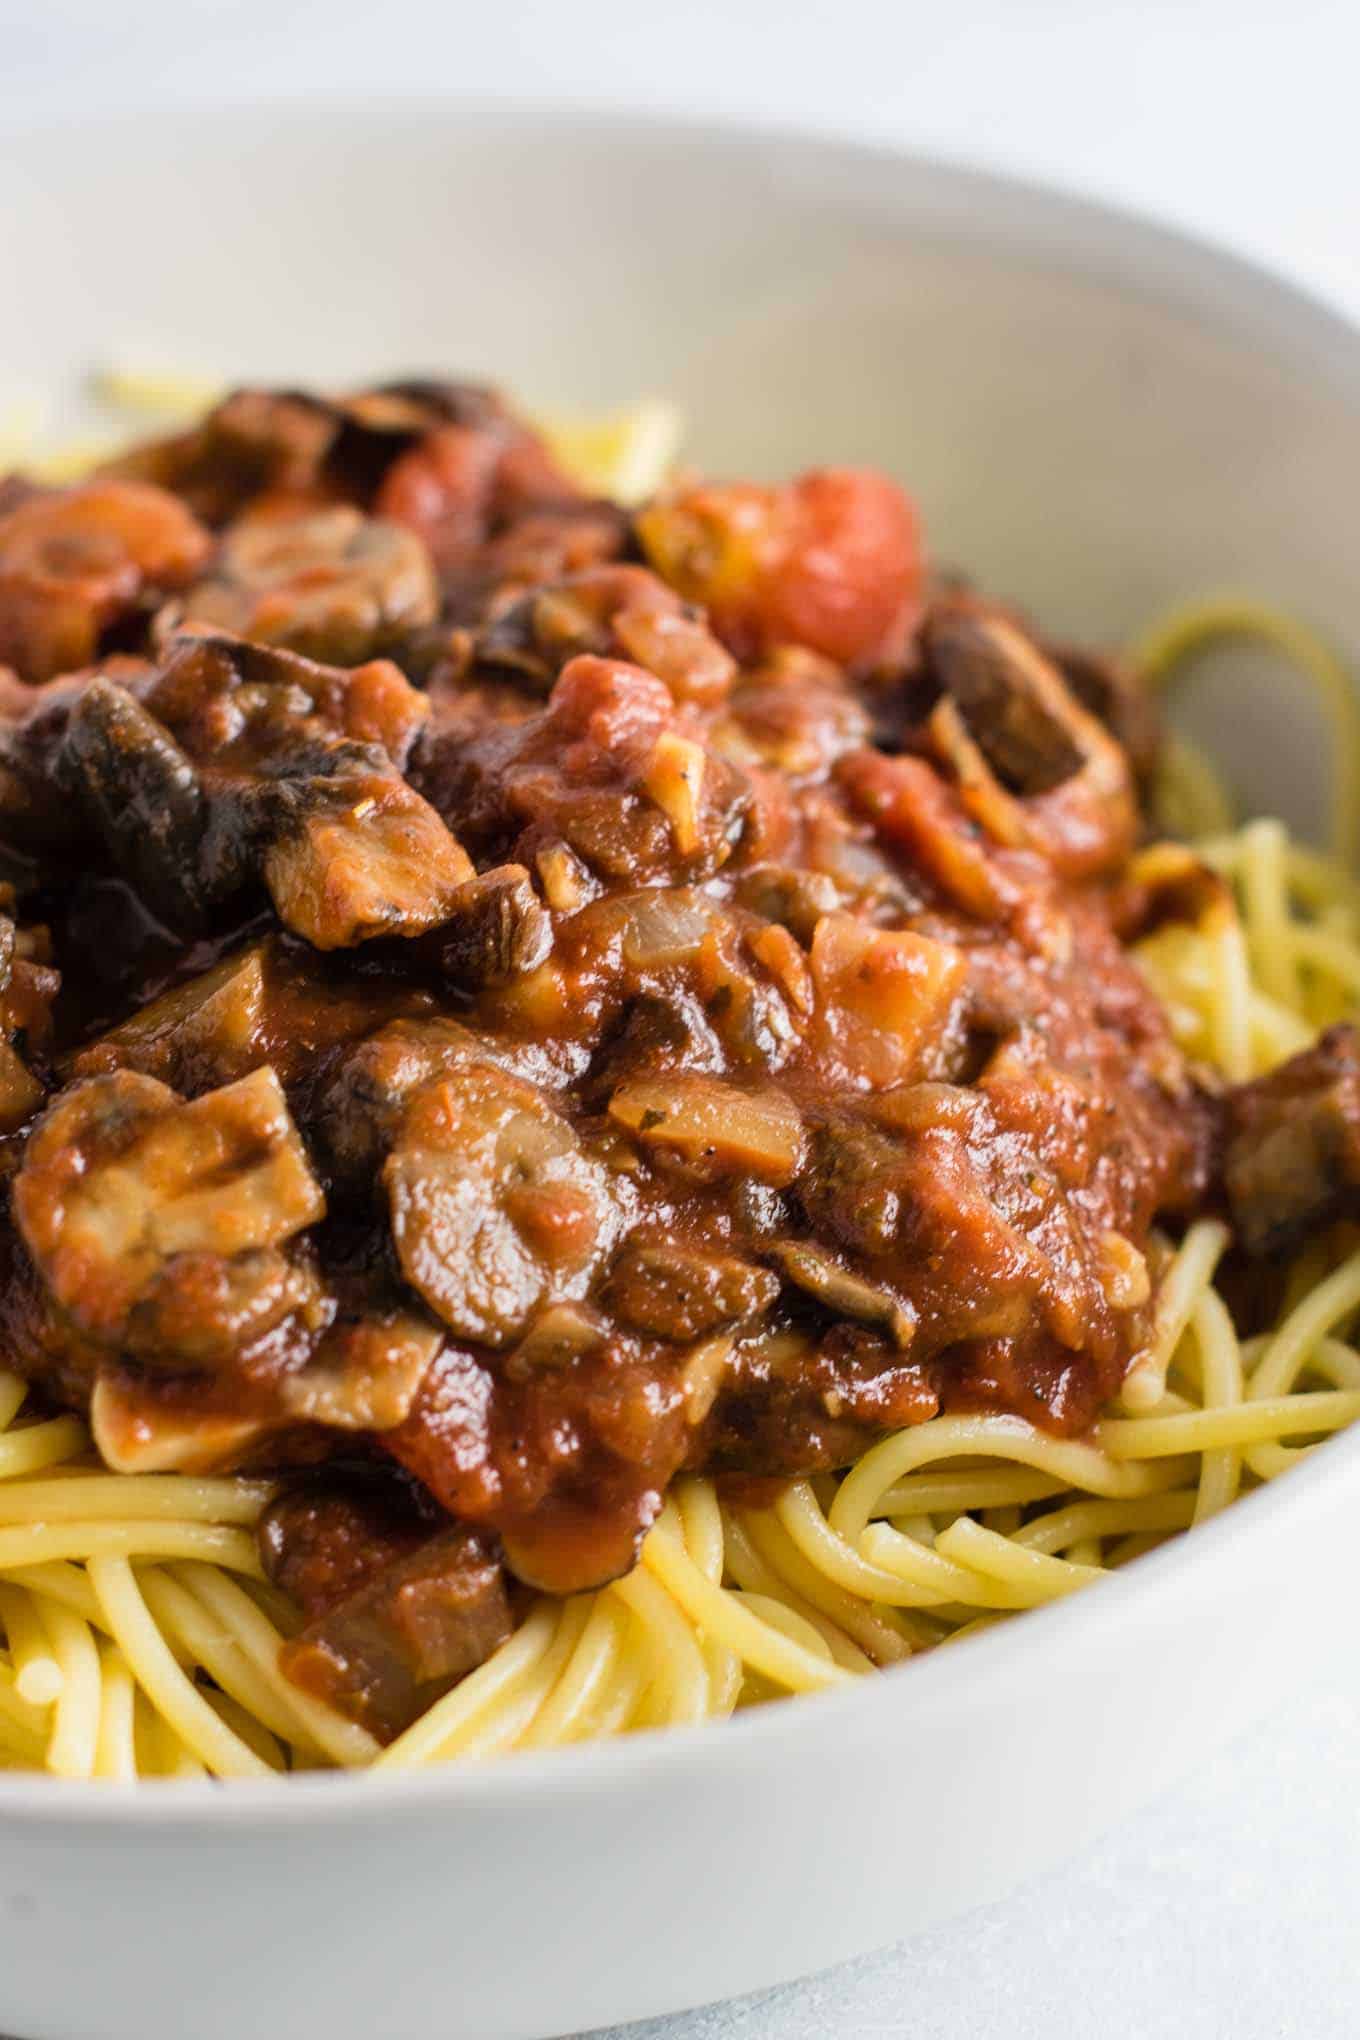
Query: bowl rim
pixel 1139 255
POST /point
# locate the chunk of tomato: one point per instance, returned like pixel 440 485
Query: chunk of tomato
pixel 832 560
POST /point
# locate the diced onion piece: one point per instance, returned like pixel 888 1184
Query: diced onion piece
pixel 674 778
pixel 703 1375
pixel 1123 1272
pixel 135 1431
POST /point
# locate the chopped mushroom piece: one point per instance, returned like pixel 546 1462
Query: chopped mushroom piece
pixel 145 1423
pixel 682 1293
pixel 558 1336
pixel 395 1614
pixel 973 655
pixel 496 1207
pixel 1292 1154
pixel 207 1029
pixel 371 858
pixel 296 760
pixel 128 1197
pixel 271 1001
pixel 203 1308
pixel 495 929
pixel 366 1372
pixel 142 794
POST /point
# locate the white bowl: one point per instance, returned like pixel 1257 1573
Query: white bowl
pixel 1097 417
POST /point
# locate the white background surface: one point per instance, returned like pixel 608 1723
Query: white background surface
pixel 1231 1909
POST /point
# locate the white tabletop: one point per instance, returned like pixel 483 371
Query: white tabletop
pixel 1228 1908
pixel 1226 1912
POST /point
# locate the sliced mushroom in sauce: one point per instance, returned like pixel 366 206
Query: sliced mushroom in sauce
pixel 496 1206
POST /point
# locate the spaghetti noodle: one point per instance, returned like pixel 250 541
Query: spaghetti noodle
pixel 143 1641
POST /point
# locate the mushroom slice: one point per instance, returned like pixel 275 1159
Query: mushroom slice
pixel 713 1127
pixel 985 666
pixel 365 1373
pixel 124 1186
pixel 208 1029
pixel 361 1108
pixel 333 585
pixel 142 794
pixel 363 856
pixel 673 1291
pixel 497 929
pixel 496 1208
pixel 840 1291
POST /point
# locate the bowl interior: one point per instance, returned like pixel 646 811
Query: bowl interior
pixel 1097 419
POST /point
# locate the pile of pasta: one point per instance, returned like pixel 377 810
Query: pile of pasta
pixel 141 1639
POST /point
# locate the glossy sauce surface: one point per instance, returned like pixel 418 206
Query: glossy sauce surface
pixel 507 1000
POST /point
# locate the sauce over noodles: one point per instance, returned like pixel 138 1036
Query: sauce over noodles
pixel 608 1109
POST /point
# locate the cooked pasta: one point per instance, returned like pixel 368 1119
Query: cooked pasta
pixel 142 1639
pixel 116 1586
